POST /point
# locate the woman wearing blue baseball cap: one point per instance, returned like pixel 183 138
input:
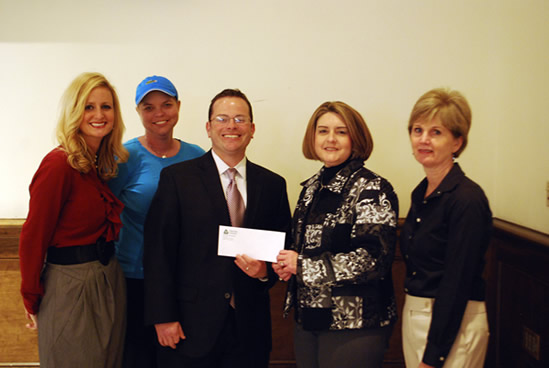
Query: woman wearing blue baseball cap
pixel 158 107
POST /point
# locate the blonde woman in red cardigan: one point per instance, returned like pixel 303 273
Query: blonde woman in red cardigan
pixel 73 288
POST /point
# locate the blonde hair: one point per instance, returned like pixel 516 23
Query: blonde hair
pixel 361 138
pixel 111 151
pixel 450 107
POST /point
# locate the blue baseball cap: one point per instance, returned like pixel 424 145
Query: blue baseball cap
pixel 154 83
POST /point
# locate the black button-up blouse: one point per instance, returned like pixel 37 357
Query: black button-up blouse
pixel 443 242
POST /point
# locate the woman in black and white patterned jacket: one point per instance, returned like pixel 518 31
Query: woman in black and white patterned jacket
pixel 344 236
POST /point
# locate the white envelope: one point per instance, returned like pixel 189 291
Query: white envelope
pixel 263 245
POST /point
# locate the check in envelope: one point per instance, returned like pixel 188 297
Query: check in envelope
pixel 263 245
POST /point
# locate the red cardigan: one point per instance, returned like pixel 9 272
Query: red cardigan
pixel 66 208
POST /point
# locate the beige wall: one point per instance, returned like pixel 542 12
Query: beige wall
pixel 289 56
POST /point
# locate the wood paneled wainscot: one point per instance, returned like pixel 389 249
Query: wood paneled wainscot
pixel 18 345
pixel 517 276
pixel 518 297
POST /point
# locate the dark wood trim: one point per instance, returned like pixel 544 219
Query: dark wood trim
pixel 502 228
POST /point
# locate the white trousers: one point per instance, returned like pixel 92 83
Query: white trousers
pixel 470 345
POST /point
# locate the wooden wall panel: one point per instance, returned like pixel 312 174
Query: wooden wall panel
pixel 20 345
pixel 523 319
pixel 518 295
pixel 517 275
pixel 282 355
pixel 17 343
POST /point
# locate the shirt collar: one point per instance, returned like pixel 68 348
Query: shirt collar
pixel 450 181
pixel 337 183
pixel 222 166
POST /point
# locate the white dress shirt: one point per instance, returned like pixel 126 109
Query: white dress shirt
pixel 240 177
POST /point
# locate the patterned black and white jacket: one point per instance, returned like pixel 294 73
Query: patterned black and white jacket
pixel 345 234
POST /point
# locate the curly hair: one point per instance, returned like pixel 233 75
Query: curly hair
pixel 111 151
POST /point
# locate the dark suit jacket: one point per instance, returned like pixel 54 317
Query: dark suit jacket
pixel 185 279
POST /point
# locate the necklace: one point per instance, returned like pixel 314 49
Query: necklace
pixel 156 153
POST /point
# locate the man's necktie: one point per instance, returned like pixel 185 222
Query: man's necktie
pixel 236 208
pixel 234 200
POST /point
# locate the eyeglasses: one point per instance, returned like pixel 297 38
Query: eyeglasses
pixel 224 119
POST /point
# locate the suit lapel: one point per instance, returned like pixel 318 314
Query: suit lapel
pixel 254 189
pixel 214 190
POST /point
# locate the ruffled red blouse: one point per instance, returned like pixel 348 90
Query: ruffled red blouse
pixel 66 208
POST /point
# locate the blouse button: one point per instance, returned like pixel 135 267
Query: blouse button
pixel 406 289
pixel 441 359
pixel 227 295
pixel 414 273
pixel 418 219
pixel 424 202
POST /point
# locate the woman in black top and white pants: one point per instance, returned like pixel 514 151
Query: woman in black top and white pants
pixel 443 242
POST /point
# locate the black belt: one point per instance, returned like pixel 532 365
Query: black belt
pixel 101 251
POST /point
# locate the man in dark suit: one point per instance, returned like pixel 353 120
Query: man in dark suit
pixel 210 310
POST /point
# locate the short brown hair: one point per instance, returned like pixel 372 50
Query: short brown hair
pixel 361 138
pixel 230 93
pixel 450 107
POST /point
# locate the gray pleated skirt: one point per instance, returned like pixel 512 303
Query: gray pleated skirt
pixel 82 317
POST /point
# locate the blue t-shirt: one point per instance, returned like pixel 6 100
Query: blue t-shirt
pixel 135 186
